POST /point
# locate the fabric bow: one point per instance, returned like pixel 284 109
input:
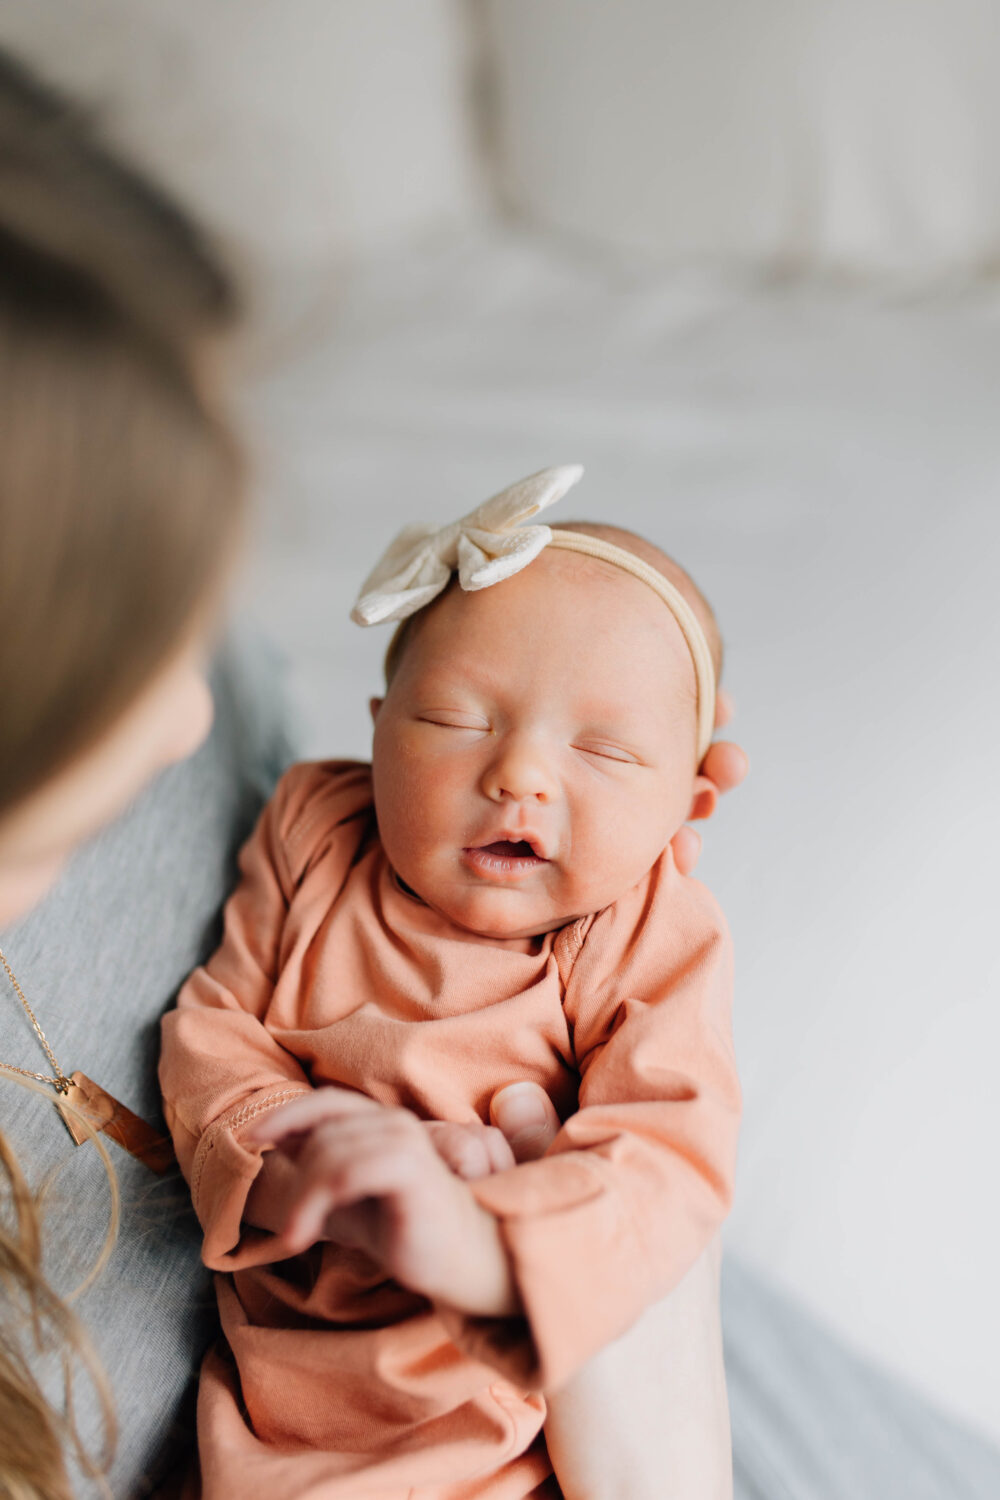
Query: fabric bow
pixel 486 546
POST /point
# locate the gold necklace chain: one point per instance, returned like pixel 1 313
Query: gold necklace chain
pixel 60 1082
pixel 86 1107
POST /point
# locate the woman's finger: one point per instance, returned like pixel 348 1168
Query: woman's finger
pixel 726 764
pixel 527 1117
pixel 725 708
pixel 686 844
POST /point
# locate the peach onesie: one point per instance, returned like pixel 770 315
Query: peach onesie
pixel 338 1382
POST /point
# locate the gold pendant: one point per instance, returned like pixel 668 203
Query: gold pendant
pixel 105 1113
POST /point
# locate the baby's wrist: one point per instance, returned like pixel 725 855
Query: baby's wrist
pixel 272 1194
pixel 482 1283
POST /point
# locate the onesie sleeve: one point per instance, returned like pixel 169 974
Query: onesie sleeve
pixel 636 1183
pixel 220 1065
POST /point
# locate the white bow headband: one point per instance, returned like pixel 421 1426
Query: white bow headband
pixel 490 544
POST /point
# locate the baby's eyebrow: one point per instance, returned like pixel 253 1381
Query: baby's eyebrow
pixel 467 677
pixel 634 721
pixel 446 682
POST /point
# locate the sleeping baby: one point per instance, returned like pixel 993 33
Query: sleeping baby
pixel 493 900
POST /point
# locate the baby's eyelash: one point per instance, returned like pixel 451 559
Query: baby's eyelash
pixel 609 752
pixel 446 719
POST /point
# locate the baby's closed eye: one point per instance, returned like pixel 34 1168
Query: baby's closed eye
pixel 607 751
pixel 447 718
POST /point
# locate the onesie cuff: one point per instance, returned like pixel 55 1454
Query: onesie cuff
pixel 222 1174
pixel 560 1258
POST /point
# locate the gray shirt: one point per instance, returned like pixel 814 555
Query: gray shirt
pixel 99 961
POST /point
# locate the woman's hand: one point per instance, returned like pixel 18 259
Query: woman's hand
pixel 724 767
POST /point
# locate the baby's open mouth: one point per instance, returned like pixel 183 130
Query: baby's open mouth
pixel 521 850
pixel 503 858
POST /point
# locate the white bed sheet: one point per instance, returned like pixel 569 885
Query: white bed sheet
pixel 826 460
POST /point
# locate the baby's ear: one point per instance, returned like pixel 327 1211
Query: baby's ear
pixel 704 796
pixel 374 704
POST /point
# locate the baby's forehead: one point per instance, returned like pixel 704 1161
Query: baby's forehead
pixel 555 585
pixel 615 606
pixel 584 621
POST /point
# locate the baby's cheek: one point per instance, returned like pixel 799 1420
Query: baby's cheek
pixel 432 806
pixel 598 846
pixel 625 823
pixel 417 812
pixel 617 848
pixel 439 779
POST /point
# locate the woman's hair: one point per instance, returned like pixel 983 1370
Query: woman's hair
pixel 121 493
pixel 120 483
pixel 35 1437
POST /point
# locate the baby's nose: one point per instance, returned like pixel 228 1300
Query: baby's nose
pixel 519 772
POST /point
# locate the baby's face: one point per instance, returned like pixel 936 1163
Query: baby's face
pixel 535 752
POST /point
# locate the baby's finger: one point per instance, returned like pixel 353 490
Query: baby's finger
pixel 305 1114
pixel 382 1174
pixel 498 1149
pixel 471 1150
pixel 461 1148
pixel 307 1220
pixel 338 1165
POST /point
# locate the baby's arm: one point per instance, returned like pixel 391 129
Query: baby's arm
pixel 221 1067
pixel 646 1418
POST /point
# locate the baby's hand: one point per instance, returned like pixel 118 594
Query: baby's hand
pixel 369 1176
pixel 524 1125
pixel 470 1150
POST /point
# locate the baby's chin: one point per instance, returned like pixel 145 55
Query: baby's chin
pixel 502 915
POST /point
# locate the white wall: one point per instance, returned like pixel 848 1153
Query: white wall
pixel 858 133
pixel 306 131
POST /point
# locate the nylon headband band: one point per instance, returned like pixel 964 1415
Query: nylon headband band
pixel 701 656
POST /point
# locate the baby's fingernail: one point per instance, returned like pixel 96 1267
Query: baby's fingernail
pixel 519 1107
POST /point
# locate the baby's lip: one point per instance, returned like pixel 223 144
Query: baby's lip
pixel 516 843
